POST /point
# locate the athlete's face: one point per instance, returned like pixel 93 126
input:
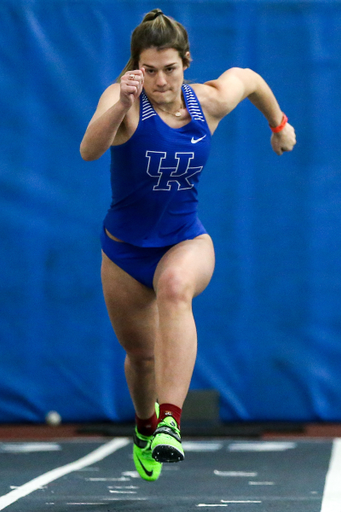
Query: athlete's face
pixel 164 75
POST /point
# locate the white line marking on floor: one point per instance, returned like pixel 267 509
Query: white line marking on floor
pixel 98 503
pixel 332 490
pixel 123 487
pixel 234 473
pixel 207 505
pixel 98 454
pixel 200 446
pixel 29 447
pixel 122 492
pixel 261 446
pixel 18 487
pixel 120 479
pixel 131 474
pixel 240 501
pixel 126 498
pixel 261 483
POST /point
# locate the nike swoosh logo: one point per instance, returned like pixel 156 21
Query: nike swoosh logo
pixel 194 141
pixel 148 473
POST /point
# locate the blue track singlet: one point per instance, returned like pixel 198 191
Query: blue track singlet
pixel 154 178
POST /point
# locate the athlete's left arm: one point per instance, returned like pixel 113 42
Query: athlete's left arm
pixel 221 96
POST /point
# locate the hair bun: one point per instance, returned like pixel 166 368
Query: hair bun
pixel 152 15
pixel 157 12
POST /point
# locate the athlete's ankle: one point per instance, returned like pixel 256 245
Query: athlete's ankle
pixel 167 410
pixel 146 427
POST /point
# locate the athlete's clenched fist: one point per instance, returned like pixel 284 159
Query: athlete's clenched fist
pixel 131 86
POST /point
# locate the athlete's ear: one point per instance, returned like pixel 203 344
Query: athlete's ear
pixel 187 60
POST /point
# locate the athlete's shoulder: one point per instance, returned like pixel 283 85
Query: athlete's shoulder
pixel 110 96
pixel 203 92
pixel 218 97
pixel 209 102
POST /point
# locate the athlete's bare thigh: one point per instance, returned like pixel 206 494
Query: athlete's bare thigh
pixel 190 262
pixel 131 306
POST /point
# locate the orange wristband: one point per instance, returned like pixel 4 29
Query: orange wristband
pixel 280 127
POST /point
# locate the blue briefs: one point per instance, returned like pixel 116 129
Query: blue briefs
pixel 138 262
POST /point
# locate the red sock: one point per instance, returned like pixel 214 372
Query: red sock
pixel 170 410
pixel 146 427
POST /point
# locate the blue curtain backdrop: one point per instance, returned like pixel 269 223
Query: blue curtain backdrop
pixel 269 325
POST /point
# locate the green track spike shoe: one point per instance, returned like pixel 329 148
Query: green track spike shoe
pixel 166 445
pixel 148 468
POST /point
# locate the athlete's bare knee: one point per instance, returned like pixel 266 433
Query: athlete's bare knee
pixel 140 360
pixel 173 286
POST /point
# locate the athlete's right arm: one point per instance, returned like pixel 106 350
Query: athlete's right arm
pixel 111 113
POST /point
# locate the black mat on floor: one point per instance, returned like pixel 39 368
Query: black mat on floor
pixel 241 475
pixel 201 429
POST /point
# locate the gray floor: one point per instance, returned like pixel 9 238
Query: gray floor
pixel 251 476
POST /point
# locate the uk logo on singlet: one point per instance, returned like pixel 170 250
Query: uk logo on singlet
pixel 178 175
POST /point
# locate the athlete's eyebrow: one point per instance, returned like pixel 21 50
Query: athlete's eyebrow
pixel 153 67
